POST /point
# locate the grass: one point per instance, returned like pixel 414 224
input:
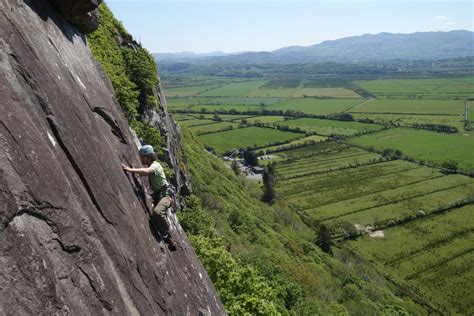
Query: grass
pixel 185 102
pixel 451 107
pixel 300 141
pixel 240 89
pixel 331 127
pixel 188 91
pixel 199 129
pixel 195 122
pixel 326 92
pixel 273 92
pixel 316 106
pixel 410 119
pixel 470 111
pixel 419 87
pixel 244 101
pixel 265 119
pixel 424 145
pixel 245 137
pixel 433 259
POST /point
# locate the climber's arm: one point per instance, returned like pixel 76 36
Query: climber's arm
pixel 139 171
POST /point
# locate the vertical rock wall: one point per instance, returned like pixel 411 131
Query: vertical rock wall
pixel 75 235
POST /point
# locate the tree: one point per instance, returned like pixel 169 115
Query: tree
pixel 217 118
pixel 269 181
pixel 323 239
pixel 250 158
pixel 450 166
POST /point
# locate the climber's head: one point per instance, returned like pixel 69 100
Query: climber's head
pixel 147 155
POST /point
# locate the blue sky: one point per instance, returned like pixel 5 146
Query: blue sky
pixel 256 25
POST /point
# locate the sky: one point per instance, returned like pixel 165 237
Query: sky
pixel 265 25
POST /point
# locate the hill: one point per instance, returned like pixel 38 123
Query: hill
pixel 368 47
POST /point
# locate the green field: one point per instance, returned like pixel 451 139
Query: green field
pixel 330 127
pixel 240 89
pixel 410 119
pixel 244 101
pixel 188 91
pixel 424 145
pixel 450 107
pixel 316 106
pixel 246 137
pixel 300 141
pixel 438 260
pixel 265 119
pixel 209 128
pixel 195 122
pixel 185 102
pixel 326 92
pixel 419 87
pixel 470 111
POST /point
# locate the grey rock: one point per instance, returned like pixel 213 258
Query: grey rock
pixel 75 236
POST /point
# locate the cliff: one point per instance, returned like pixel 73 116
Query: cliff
pixel 75 233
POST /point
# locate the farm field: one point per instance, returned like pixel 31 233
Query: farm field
pixel 316 106
pixel 438 260
pixel 410 119
pixel 195 122
pixel 470 111
pixel 215 127
pixel 300 141
pixel 447 107
pixel 330 127
pixel 341 186
pixel 424 145
pixel 188 91
pixel 456 87
pixel 265 119
pixel 326 92
pixel 244 101
pixel 246 137
pixel 181 103
pixel 240 89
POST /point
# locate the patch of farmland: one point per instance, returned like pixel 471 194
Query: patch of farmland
pixel 246 137
pixel 401 195
pixel 419 87
pixel 300 141
pixel 224 117
pixel 331 127
pixel 244 101
pixel 188 91
pixel 396 204
pixel 432 253
pixel 213 108
pixel 326 92
pixel 322 195
pixel 322 149
pixel 210 128
pixel 265 119
pixel 195 122
pixel 273 92
pixel 182 117
pixel 410 119
pixel 447 107
pixel 346 178
pixel 425 145
pixel 184 102
pixel 470 111
pixel 240 89
pixel 316 106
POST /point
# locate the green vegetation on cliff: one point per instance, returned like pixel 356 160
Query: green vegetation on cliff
pixel 131 70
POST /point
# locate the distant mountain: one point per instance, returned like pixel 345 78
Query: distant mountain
pixel 368 47
pixel 184 56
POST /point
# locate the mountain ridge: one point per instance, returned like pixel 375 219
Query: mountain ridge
pixel 367 47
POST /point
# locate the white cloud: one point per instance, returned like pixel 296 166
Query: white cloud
pixel 441 17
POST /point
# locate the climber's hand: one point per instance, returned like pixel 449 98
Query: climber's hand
pixel 125 167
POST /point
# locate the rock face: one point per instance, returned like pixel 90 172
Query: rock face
pixel 75 236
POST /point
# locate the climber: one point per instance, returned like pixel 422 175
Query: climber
pixel 162 199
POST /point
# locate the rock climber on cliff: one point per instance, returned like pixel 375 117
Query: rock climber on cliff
pixel 162 197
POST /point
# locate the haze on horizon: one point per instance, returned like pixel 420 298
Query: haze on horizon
pixel 165 26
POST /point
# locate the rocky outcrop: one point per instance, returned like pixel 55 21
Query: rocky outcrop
pixel 81 13
pixel 75 236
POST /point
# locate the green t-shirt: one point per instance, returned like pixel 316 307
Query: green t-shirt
pixel 158 178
